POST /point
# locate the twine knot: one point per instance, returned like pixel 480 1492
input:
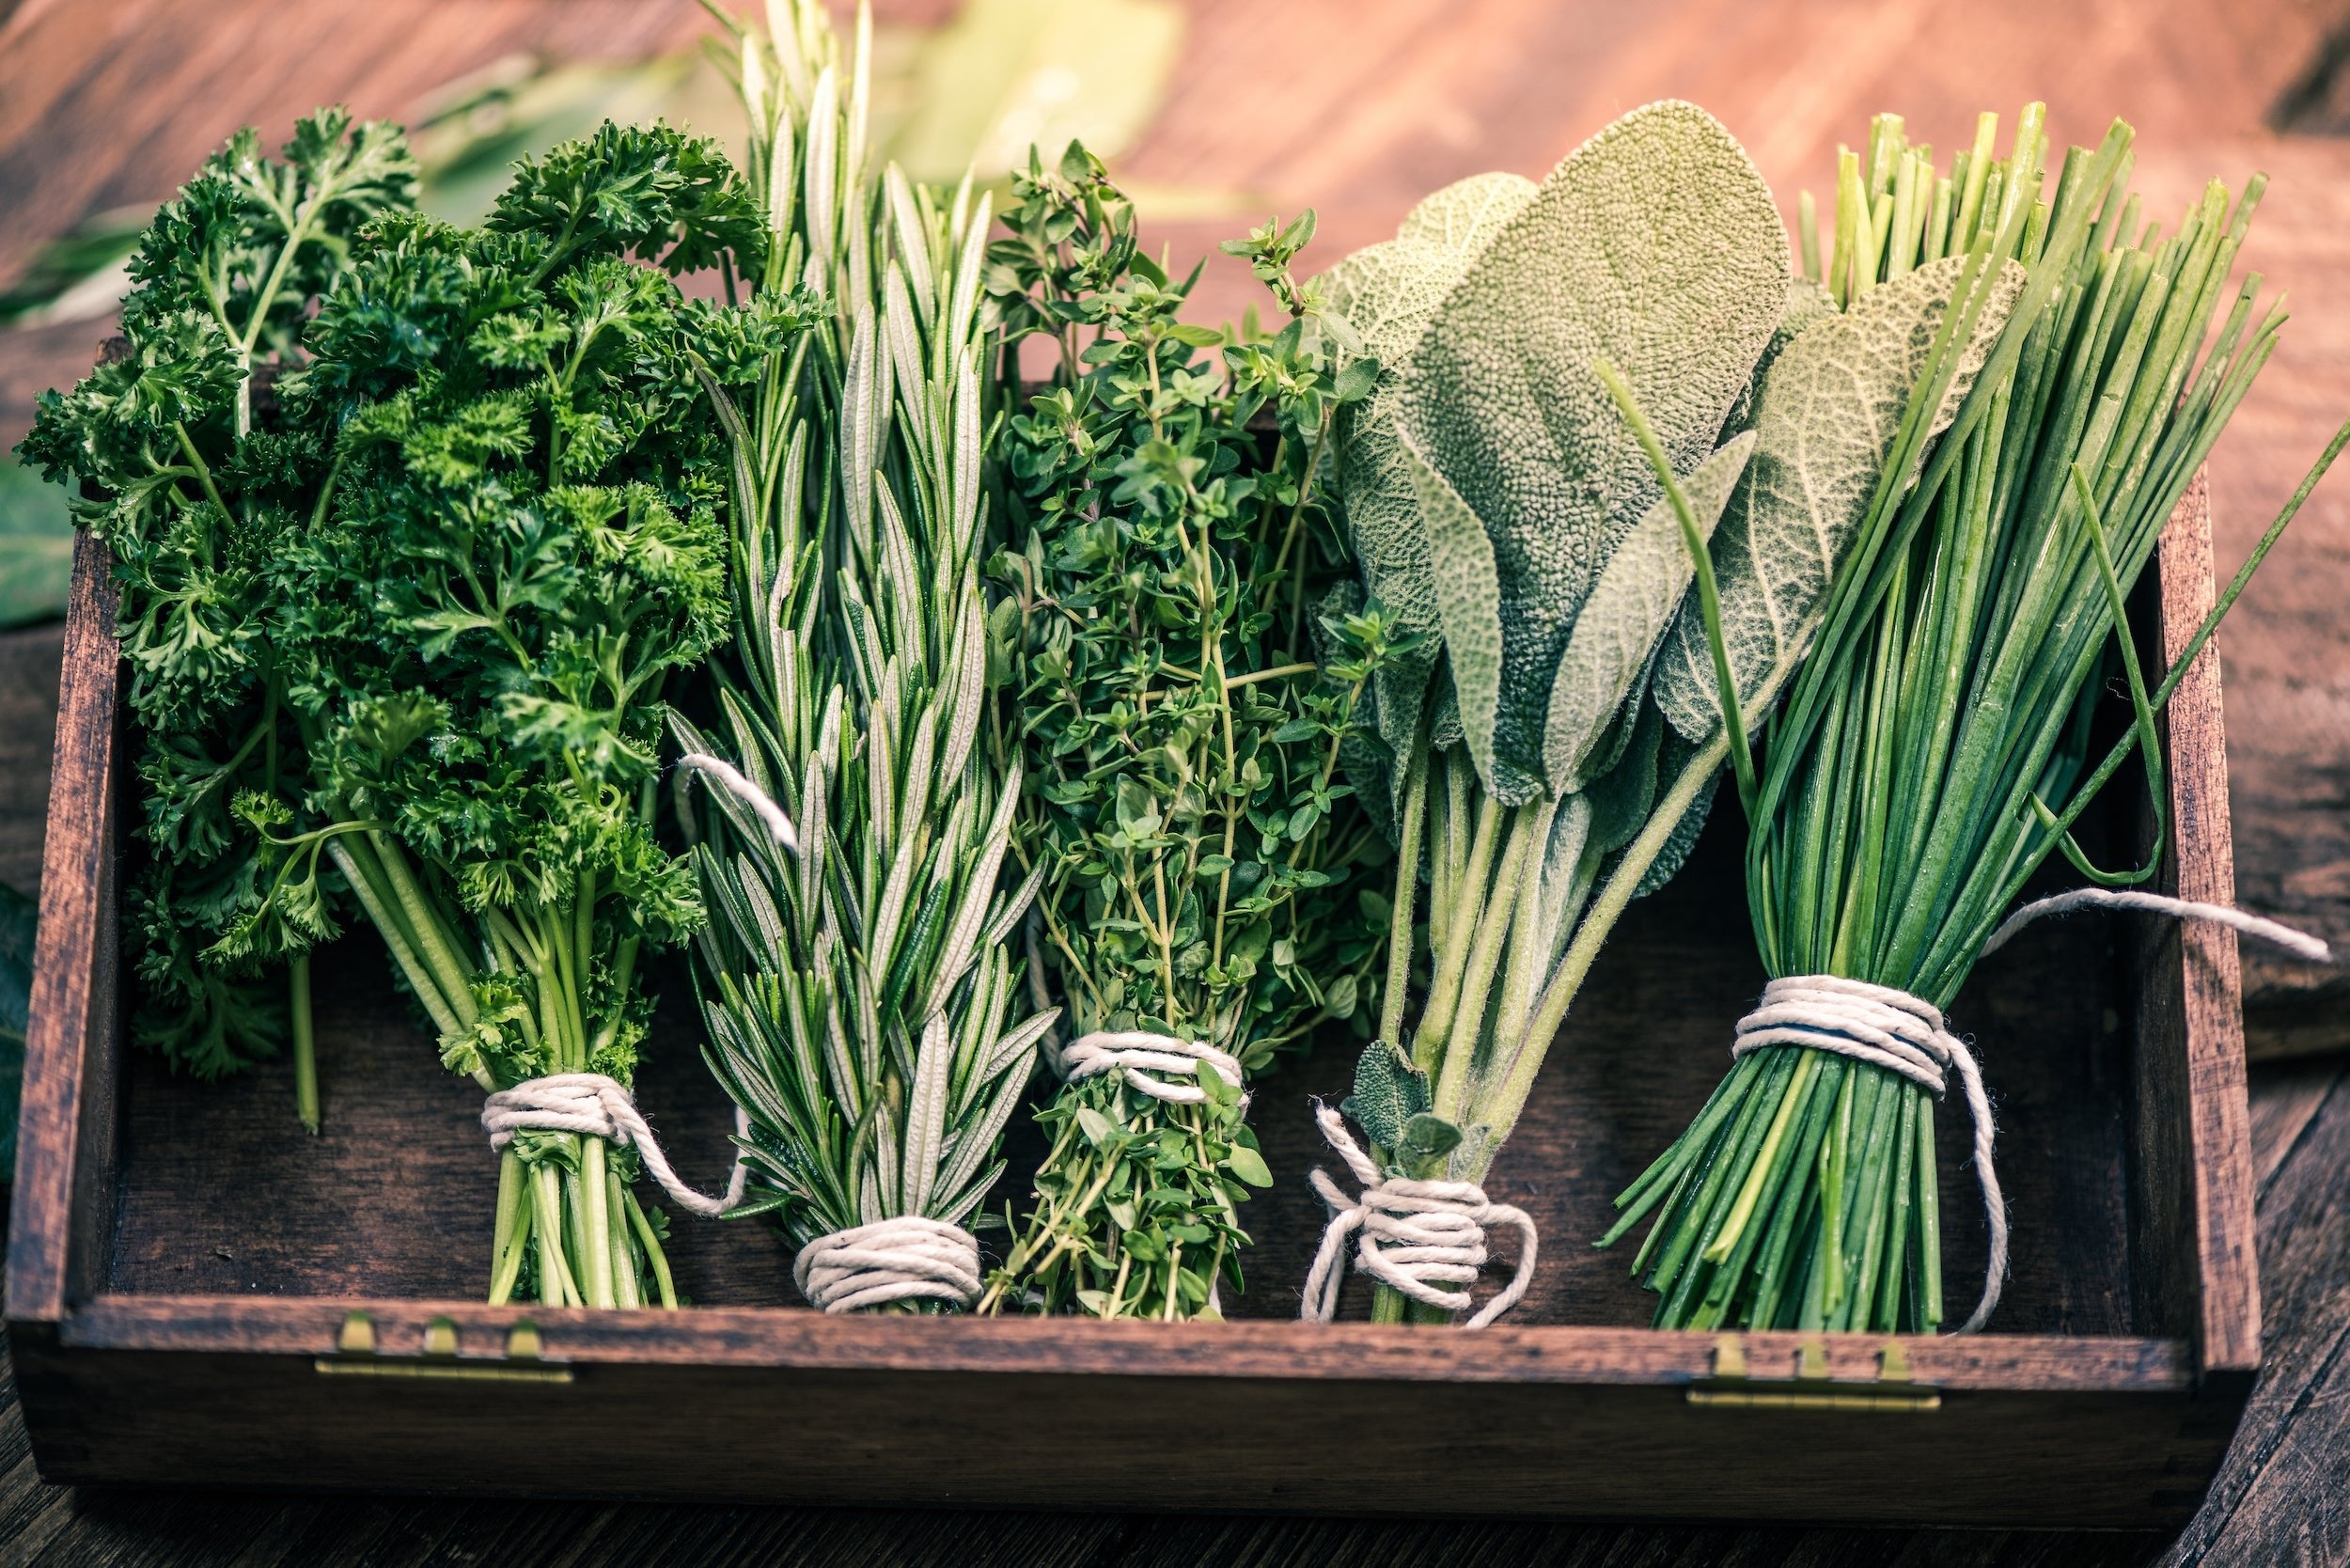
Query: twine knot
pixel 595 1106
pixel 1889 1028
pixel 905 1257
pixel 1416 1236
pixel 1142 1057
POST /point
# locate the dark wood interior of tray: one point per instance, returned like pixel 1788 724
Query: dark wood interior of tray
pixel 220 1192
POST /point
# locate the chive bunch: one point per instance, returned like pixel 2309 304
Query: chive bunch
pixel 1934 750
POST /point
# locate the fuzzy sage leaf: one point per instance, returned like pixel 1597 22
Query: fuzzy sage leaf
pixel 1655 245
pixel 1824 425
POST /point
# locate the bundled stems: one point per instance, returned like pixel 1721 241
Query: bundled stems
pixel 1934 753
pixel 865 1000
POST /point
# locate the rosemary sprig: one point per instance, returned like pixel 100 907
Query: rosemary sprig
pixel 864 1000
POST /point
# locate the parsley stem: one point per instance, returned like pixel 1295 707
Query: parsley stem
pixel 305 1060
pixel 433 938
pixel 381 909
pixel 203 471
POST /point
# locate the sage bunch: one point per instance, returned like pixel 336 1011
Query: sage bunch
pixel 863 995
pixel 1935 751
pixel 1619 461
pixel 1187 658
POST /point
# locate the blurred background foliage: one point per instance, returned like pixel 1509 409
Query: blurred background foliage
pixel 973 92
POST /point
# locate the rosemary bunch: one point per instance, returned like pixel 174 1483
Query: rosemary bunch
pixel 1183 689
pixel 1935 750
pixel 864 1001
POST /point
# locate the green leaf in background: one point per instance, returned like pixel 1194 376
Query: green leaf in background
pixel 1007 74
pixel 1656 245
pixel 80 277
pixel 1824 424
pixel 36 546
pixel 18 917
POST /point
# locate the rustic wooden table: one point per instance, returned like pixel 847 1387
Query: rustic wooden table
pixel 1357 106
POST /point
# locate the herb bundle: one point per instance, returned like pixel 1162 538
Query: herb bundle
pixel 865 1004
pixel 197 487
pixel 1182 683
pixel 1935 750
pixel 1566 410
pixel 452 585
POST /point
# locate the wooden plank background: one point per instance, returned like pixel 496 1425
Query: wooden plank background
pixel 1357 107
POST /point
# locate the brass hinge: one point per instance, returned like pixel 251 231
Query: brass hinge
pixel 1733 1387
pixel 356 1355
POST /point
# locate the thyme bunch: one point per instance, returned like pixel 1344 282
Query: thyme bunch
pixel 1188 661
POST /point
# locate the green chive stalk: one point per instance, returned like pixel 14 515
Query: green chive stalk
pixel 1934 750
pixel 865 1002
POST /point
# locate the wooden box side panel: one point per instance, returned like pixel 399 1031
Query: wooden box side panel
pixel 1303 1437
pixel 2191 1197
pixel 65 1162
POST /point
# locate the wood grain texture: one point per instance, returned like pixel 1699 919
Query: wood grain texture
pixel 29 663
pixel 66 1126
pixel 2193 75
pixel 2193 1143
pixel 1587 1450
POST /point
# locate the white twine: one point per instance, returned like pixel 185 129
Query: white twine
pixel 596 1106
pixel 903 1259
pixel 1890 1027
pixel 2297 942
pixel 1413 1235
pixel 1142 1054
pixel 731 779
pixel 1887 1025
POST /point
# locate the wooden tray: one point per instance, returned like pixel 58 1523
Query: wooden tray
pixel 199 1295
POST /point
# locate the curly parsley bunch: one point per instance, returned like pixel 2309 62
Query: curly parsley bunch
pixel 484 541
pixel 1177 620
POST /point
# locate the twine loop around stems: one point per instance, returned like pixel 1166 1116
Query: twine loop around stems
pixel 1416 1236
pixel 905 1257
pixel 1142 1056
pixel 595 1106
pixel 1889 1028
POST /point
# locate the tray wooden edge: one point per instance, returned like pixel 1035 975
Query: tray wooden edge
pixel 798 1338
pixel 2216 1233
pixel 66 1144
pixel 66 1126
